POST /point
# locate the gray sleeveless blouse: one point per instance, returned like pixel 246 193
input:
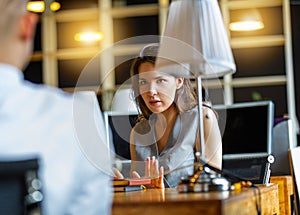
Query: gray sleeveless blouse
pixel 178 152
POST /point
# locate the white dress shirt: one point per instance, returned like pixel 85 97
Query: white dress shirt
pixel 44 121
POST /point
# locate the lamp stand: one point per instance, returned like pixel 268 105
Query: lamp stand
pixel 200 118
pixel 203 179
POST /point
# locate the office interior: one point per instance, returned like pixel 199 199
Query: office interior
pixel 267 60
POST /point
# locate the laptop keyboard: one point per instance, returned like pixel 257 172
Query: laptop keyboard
pixel 252 169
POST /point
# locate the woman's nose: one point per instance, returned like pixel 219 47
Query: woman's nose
pixel 153 92
pixel 152 89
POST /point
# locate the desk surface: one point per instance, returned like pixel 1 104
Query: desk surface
pixel 169 201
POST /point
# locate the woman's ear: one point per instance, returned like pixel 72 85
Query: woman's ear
pixel 179 83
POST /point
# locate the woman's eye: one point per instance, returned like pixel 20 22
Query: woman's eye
pixel 142 82
pixel 161 81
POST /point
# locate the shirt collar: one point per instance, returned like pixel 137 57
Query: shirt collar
pixel 10 75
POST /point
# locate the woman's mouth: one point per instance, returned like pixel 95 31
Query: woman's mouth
pixel 154 102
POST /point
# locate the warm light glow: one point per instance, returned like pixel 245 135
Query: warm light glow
pixel 246 20
pixel 246 26
pixel 39 6
pixel 55 6
pixel 88 36
pixel 36 6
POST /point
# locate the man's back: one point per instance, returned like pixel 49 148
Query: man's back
pixel 38 120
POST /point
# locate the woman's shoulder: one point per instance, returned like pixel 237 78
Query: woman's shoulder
pixel 195 108
pixel 206 108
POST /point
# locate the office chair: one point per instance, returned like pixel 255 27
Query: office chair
pixel 20 187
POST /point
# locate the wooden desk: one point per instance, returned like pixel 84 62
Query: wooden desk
pixel 285 193
pixel 169 201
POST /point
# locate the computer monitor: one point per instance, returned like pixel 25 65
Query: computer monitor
pixel 118 128
pixel 246 128
pixel 247 139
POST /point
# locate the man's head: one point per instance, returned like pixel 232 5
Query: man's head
pixel 17 29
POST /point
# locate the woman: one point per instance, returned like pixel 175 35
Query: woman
pixel 168 123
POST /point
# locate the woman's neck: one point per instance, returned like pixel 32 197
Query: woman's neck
pixel 164 124
pixel 169 115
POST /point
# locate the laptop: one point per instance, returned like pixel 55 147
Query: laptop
pixel 246 130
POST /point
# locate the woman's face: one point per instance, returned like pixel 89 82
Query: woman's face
pixel 157 89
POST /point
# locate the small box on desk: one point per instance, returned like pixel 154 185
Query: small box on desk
pixel 129 188
pixel 127 185
pixel 131 182
pixel 285 192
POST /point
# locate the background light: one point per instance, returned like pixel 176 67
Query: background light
pixel 36 6
pixel 246 20
pixel 246 26
pixel 39 6
pixel 88 36
pixel 55 6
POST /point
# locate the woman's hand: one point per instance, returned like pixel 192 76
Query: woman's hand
pixel 152 171
pixel 117 174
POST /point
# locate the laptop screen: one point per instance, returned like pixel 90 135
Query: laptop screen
pixel 246 128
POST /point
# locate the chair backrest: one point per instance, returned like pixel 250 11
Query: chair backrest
pixel 20 187
pixel 123 101
pixel 283 140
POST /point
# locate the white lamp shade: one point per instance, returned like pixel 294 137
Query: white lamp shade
pixel 195 41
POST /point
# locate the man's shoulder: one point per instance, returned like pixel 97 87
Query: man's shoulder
pixel 58 104
pixel 57 98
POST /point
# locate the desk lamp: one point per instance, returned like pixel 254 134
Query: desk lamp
pixel 195 45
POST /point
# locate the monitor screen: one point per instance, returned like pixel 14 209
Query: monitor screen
pixel 246 128
pixel 118 127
